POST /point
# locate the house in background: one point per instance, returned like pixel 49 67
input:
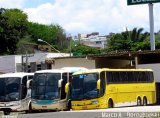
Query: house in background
pixel 41 61
pixel 112 60
pixel 92 40
pixel 73 61
pixel 27 63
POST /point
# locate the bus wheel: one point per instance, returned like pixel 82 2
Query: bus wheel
pixel 144 101
pixel 29 109
pixel 138 101
pixel 110 103
pixel 69 105
pixel 6 112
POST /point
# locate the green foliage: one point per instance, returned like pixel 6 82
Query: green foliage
pixel 12 29
pixel 24 46
pixel 16 33
pixel 85 50
pixel 118 42
pixel 129 41
pixel 15 28
pixel 53 34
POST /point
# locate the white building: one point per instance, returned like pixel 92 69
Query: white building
pixel 27 63
pixel 93 40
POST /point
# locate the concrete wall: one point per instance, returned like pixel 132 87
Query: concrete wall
pixel 154 67
pixel 73 62
pixel 7 64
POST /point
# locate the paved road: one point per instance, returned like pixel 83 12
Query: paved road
pixel 127 112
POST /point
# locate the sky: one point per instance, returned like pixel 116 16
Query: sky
pixel 78 16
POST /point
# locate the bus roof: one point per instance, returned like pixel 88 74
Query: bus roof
pixel 19 74
pixel 108 69
pixel 63 70
pixel 74 69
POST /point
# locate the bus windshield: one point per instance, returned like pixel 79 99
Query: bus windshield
pixel 10 89
pixel 45 86
pixel 84 86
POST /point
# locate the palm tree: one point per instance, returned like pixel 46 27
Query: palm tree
pixel 129 40
pixel 138 39
pixel 137 35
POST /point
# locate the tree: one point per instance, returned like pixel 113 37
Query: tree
pixel 12 29
pixel 53 34
pixel 129 40
pixel 118 42
pixel 85 50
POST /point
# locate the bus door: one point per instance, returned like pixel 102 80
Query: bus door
pixel 26 91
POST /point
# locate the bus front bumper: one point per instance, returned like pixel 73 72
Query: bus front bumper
pixel 53 105
pixel 85 105
pixel 10 106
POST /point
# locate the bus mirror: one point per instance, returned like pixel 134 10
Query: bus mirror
pixel 66 88
pixel 29 84
pixel 59 83
pixel 98 84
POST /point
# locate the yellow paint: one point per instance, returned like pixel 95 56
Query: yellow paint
pixel 121 94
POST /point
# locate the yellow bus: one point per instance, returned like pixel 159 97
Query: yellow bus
pixel 108 88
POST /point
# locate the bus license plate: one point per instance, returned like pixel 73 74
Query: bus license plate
pixel 44 106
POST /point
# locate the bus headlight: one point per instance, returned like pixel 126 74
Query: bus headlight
pixel 95 102
pixel 15 103
pixel 74 104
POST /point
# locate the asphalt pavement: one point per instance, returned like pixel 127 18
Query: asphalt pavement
pixel 126 112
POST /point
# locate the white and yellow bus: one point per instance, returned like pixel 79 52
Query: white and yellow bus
pixel 108 88
pixel 48 89
pixel 15 92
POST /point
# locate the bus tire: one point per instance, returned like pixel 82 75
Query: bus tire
pixel 6 112
pixel 138 101
pixel 110 103
pixel 29 109
pixel 69 105
pixel 144 101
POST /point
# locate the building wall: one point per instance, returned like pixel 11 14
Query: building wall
pixel 154 67
pixel 13 63
pixel 73 62
pixel 112 63
pixel 7 64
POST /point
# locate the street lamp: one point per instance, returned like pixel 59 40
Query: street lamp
pixel 40 40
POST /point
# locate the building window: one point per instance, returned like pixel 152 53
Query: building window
pixel 49 66
pixel 39 67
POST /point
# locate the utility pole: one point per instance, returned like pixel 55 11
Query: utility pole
pixel 70 46
pixel 151 19
pixel 25 64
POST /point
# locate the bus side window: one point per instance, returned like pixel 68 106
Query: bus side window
pixel 103 83
pixel 29 84
pixel 70 77
pixel 64 81
pixel 30 77
pixel 24 87
pixel 136 76
pixel 116 77
pixel 151 77
pixel 110 77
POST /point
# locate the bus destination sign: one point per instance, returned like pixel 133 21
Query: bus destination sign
pixel 135 2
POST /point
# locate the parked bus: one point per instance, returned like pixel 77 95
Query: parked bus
pixel 108 88
pixel 48 90
pixel 15 92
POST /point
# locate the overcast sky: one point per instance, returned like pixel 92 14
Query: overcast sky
pixel 86 16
